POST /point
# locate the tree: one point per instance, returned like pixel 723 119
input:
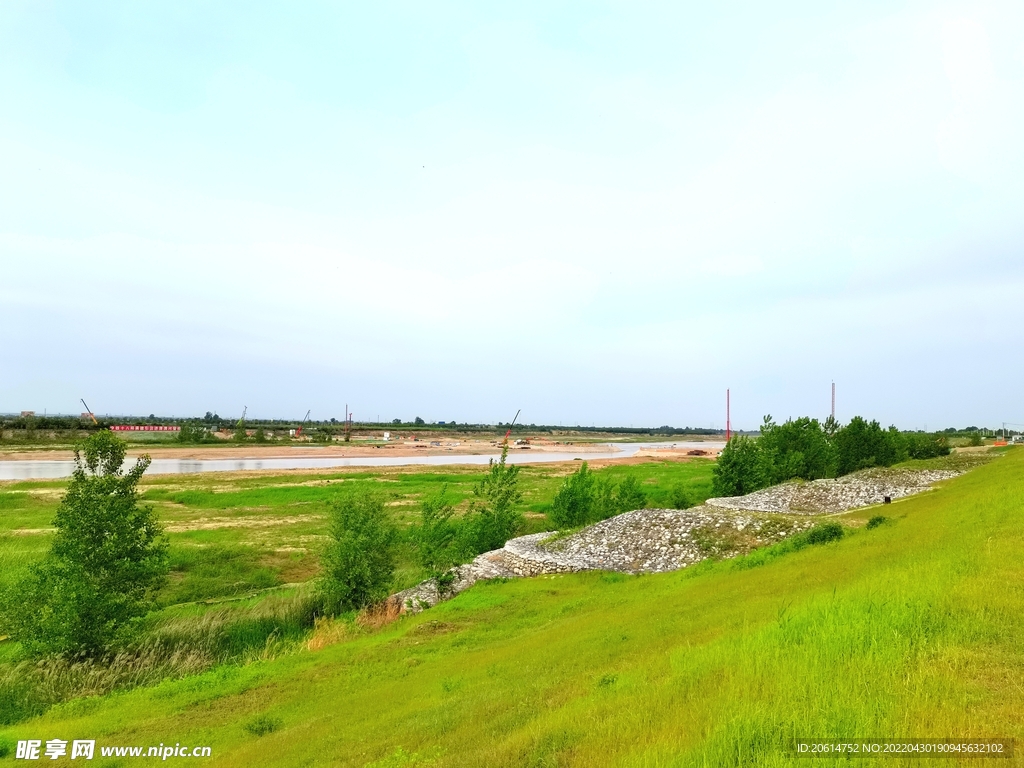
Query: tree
pixel 437 541
pixel 798 448
pixel 418 421
pixel 107 557
pixel 629 495
pixel 740 468
pixel 193 432
pixel 359 561
pixel 574 502
pixel 496 520
pixel 861 444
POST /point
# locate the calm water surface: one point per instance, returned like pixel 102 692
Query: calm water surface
pixel 31 470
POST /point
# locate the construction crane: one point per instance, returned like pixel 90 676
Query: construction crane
pixel 241 420
pixel 505 441
pixel 89 411
pixel 298 432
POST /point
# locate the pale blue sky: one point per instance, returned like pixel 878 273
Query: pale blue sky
pixel 596 212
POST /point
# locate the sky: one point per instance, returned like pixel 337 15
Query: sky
pixel 599 213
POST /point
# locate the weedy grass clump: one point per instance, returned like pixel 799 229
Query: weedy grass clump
pixel 261 725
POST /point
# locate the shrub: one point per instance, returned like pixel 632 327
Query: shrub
pixel 107 557
pixel 799 448
pixel 437 541
pixel 359 561
pixel 193 432
pixel 861 444
pixel 261 725
pixel 823 533
pixel 740 468
pixel 497 519
pixel 629 496
pixel 921 445
pixel 575 500
pixel 876 521
pixel 681 497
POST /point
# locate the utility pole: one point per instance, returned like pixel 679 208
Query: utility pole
pixel 833 401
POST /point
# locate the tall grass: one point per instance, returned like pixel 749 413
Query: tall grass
pixel 174 647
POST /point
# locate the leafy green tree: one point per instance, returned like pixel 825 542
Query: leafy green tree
pixel 740 469
pixel 107 557
pixel 496 519
pixel 861 444
pixel 574 503
pixel 630 495
pixel 193 432
pixel 418 421
pixel 359 561
pixel 437 541
pixel 259 436
pixel 798 448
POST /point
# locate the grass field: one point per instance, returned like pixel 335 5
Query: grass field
pixel 911 628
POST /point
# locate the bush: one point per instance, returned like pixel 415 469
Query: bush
pixel 107 557
pixel 359 562
pixel 799 448
pixel 497 519
pixel 921 445
pixel 876 521
pixel 629 496
pixel 823 533
pixel 681 497
pixel 193 432
pixel 261 725
pixel 740 469
pixel 438 546
pixel 575 500
pixel 862 444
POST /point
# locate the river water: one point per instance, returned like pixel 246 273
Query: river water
pixel 33 470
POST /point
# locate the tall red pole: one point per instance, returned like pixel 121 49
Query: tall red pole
pixel 728 423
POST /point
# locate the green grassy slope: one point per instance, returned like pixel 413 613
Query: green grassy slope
pixel 908 629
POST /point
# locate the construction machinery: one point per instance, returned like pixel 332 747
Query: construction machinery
pixel 88 410
pixel 298 432
pixel 505 441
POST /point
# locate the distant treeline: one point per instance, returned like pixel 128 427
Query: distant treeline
pixel 807 449
pixel 214 421
pixel 57 423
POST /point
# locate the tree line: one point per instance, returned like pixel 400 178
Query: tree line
pixel 807 449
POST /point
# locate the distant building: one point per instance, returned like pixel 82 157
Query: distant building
pixel 27 414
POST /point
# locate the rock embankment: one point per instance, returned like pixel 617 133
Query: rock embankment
pixel 822 497
pixel 659 540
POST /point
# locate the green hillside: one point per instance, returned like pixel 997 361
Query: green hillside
pixel 909 629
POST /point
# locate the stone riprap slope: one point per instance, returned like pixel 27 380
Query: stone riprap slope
pixel 659 540
pixel 489 565
pixel 823 497
pixel 650 541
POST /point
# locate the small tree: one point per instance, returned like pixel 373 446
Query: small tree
pixel 740 468
pixel 108 555
pixel 359 561
pixel 437 541
pixel 193 432
pixel 629 495
pixel 496 520
pixel 574 503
